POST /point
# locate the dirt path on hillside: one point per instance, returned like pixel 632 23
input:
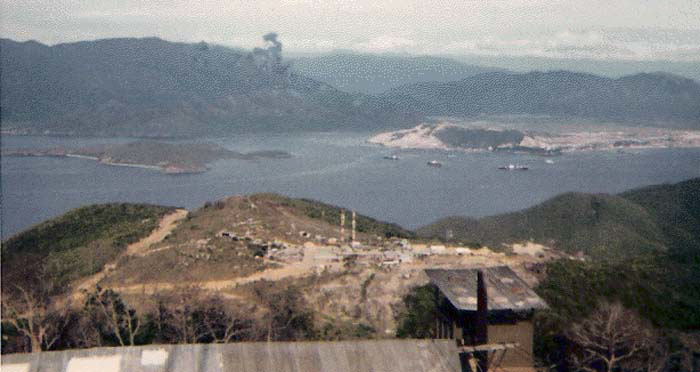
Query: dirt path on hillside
pixel 294 270
pixel 166 226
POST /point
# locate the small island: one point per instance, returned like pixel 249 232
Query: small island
pixel 168 158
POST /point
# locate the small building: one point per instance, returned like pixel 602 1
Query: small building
pixel 438 249
pixel 488 310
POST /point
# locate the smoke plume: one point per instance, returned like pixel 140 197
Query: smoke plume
pixel 270 58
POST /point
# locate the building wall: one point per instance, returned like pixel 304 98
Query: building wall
pixel 521 332
pixel 338 356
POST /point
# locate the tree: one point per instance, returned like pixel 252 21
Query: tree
pixel 188 315
pixel 31 316
pixel 609 336
pixel 222 324
pixel 111 316
pixel 177 317
pixel 287 314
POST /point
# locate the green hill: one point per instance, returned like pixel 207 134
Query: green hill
pixel 662 284
pixel 76 244
pixel 643 249
pixel 649 219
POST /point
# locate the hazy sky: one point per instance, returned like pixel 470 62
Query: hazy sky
pixel 610 29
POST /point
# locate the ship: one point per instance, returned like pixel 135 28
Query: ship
pixel 435 163
pixel 513 167
pixel 391 157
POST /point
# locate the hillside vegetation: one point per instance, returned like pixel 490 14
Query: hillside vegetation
pixel 77 244
pixel 663 285
pixel 650 219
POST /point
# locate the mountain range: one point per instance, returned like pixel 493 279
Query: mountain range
pixel 654 99
pixel 154 88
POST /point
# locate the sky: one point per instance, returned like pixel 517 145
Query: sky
pixel 634 30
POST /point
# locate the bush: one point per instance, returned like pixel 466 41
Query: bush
pixel 417 318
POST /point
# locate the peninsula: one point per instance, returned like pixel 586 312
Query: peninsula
pixel 166 157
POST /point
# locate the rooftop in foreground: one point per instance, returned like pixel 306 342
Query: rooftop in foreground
pixel 506 291
pixel 339 356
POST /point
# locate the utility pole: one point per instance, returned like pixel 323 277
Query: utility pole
pixel 354 226
pixel 342 225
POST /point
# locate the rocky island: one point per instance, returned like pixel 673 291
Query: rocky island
pixel 166 157
pixel 531 139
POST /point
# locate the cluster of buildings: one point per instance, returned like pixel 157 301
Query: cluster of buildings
pixel 486 312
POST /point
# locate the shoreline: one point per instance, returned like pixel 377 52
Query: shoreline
pixel 165 169
pixel 423 137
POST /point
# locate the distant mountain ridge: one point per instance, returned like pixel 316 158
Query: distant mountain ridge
pixel 655 99
pixel 373 74
pixel 154 88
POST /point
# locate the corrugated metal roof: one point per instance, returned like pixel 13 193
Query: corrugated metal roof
pixel 338 356
pixel 506 291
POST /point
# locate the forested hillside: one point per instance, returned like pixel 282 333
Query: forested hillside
pixel 655 218
pixel 53 254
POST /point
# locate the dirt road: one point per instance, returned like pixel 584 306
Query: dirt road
pixel 166 226
pixel 292 270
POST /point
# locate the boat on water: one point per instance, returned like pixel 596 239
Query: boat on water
pixel 513 167
pixel 549 161
pixel 435 163
pixel 391 157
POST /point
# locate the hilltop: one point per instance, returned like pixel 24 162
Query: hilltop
pixel 154 88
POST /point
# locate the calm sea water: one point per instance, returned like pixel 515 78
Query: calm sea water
pixel 337 168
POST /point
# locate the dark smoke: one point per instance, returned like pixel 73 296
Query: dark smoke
pixel 276 47
pixel 270 58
